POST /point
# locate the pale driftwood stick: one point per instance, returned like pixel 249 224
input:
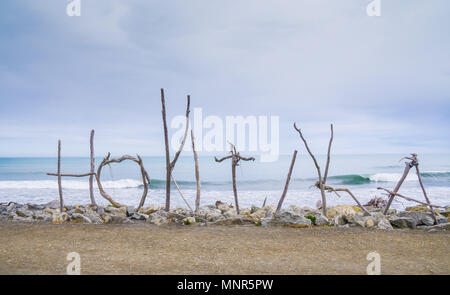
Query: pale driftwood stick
pixel 325 175
pixel 397 187
pixel 288 179
pixel 71 175
pixel 234 163
pixel 408 198
pixel 145 177
pixel 320 184
pixel 425 193
pixel 145 181
pixel 61 201
pixel 235 158
pixel 91 177
pixel 181 194
pixel 188 110
pixel 166 143
pixel 264 203
pixel 99 183
pixel 343 189
pixel 171 165
pixel 224 158
pixel 197 172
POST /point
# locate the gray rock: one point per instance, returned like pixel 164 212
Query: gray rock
pixel 321 219
pixel 100 210
pixel 52 205
pixel 403 222
pixel 118 219
pixel 384 224
pixel 236 220
pixel 210 213
pixel 35 207
pixel 289 217
pixel 23 213
pixel 421 218
pixel 340 220
pixel 77 217
pixel 441 219
pixel 130 211
pixel 139 216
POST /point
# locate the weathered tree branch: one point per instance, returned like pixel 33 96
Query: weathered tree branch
pixel 288 179
pixel 71 175
pixel 144 174
pixel 181 194
pixel 322 192
pixel 408 166
pixel 325 175
pixel 408 198
pixel 91 176
pixel 197 173
pixel 61 200
pixel 235 158
pixel 171 165
pixel 166 144
pixel 343 189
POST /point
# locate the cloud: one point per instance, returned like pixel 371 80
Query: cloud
pixel 381 81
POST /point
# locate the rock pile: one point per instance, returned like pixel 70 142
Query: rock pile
pixel 224 214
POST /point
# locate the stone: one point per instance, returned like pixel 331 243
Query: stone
pixel 348 210
pixel 421 218
pixel 321 219
pixel 79 210
pixel 58 218
pixel 106 218
pixel 289 217
pixel 258 214
pixel 340 220
pixel 441 219
pixel 130 211
pixel 419 208
pixel 384 224
pixel 139 216
pixel 189 220
pixel 237 220
pixel 79 218
pixel 100 210
pixel 117 219
pixel 23 213
pixel 224 207
pixel 369 223
pixel 52 205
pixel 210 214
pixel 403 222
pixel 150 209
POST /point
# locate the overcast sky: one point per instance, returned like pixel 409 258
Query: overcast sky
pixel 383 81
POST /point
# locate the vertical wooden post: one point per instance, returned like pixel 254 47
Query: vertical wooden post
pixel 61 202
pixel 233 175
pixel 288 179
pixel 91 177
pixel 399 184
pixel 166 143
pixel 425 193
pixel 197 172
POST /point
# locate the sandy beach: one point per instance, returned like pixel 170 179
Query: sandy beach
pixel 143 248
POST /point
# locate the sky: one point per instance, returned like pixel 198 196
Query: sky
pixel 383 81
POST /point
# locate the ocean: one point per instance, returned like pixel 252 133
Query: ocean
pixel 24 180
